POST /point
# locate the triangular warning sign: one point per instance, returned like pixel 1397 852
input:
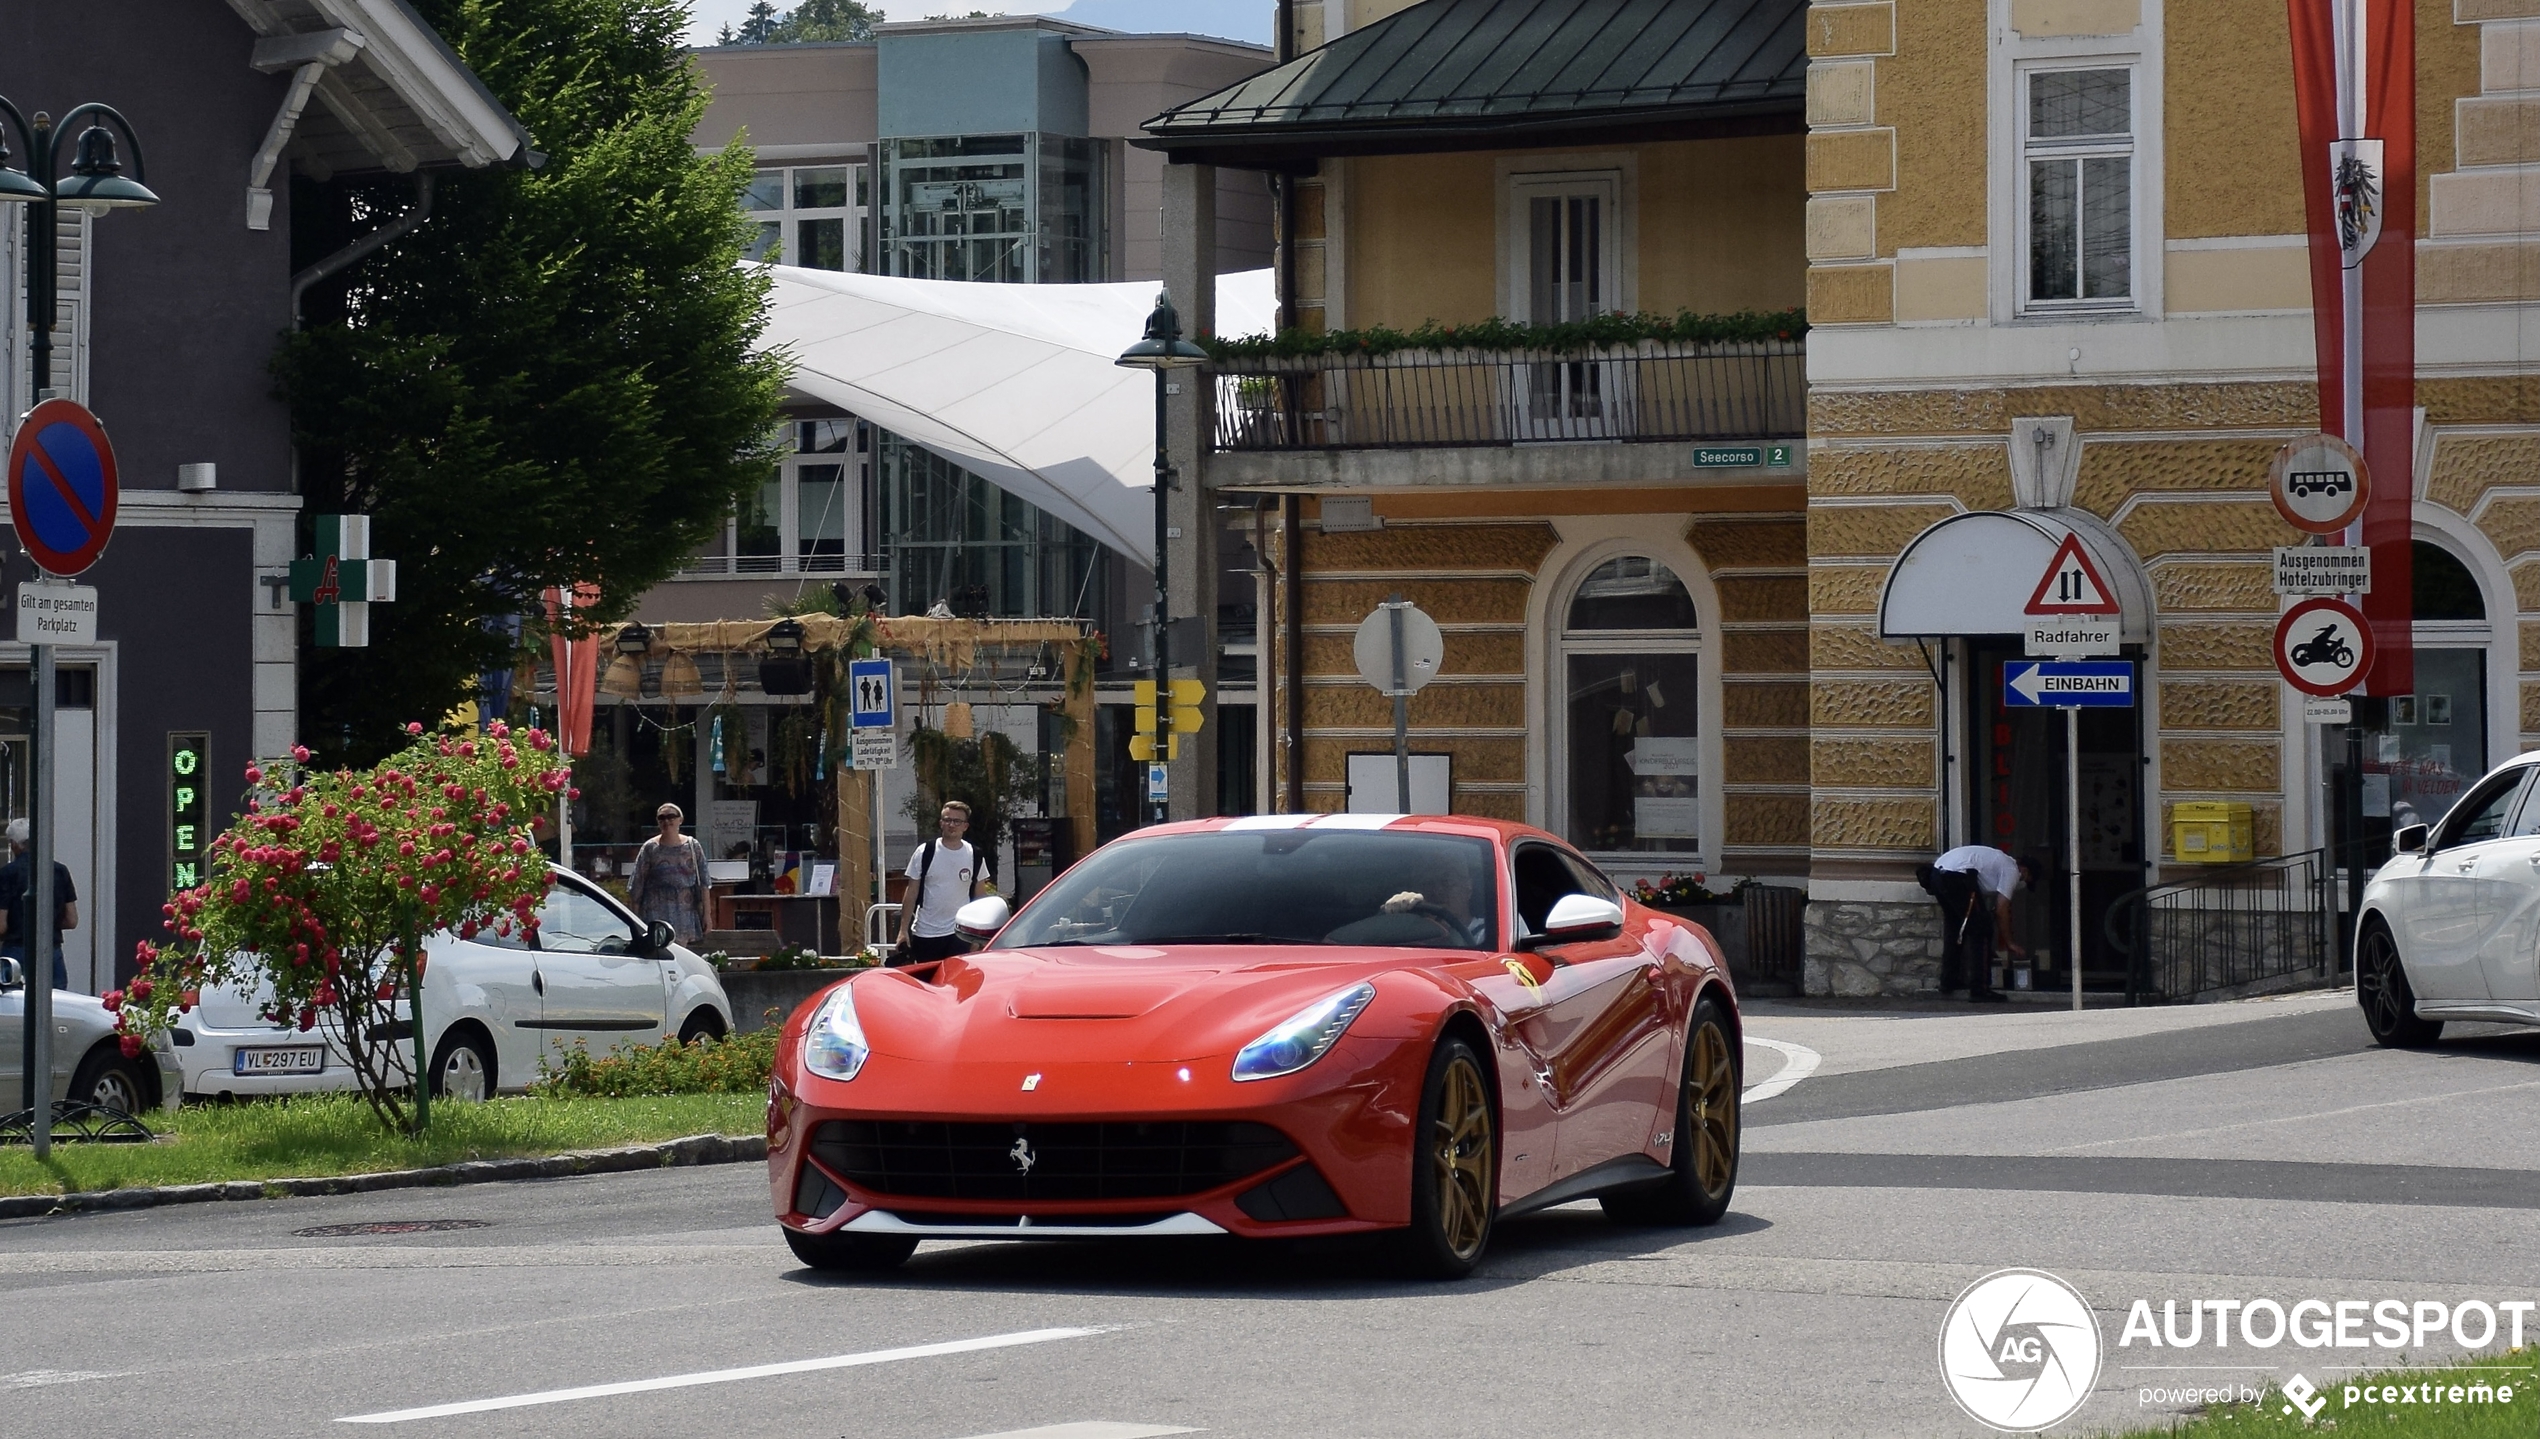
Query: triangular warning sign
pixel 2072 585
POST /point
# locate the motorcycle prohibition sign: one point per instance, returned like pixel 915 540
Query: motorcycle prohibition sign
pixel 2323 647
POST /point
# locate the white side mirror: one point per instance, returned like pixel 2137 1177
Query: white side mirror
pixel 979 920
pixel 10 976
pixel 1579 917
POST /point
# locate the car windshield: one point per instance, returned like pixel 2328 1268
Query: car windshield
pixel 1287 886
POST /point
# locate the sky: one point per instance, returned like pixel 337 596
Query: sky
pixel 1232 19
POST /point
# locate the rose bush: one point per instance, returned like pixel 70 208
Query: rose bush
pixel 323 889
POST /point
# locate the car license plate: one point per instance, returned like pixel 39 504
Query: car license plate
pixel 309 1059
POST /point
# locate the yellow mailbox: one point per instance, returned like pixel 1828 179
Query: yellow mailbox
pixel 2213 832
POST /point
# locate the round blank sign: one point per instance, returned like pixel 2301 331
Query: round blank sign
pixel 1423 648
pixel 2320 483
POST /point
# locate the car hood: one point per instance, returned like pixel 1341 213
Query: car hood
pixel 1128 1003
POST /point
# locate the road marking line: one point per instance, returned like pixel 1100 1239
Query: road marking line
pixel 727 1376
pixel 34 1378
pixel 1798 1062
pixel 1092 1429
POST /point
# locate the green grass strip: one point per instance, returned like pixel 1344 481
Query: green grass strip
pixel 2430 1412
pixel 326 1134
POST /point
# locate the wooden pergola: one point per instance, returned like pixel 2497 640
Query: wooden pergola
pixel 952 646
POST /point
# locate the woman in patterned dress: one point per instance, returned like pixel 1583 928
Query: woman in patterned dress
pixel 669 882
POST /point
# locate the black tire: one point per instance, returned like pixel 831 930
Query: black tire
pixel 851 1253
pixel 1454 1169
pixel 463 1067
pixel 2382 990
pixel 108 1080
pixel 1703 1174
pixel 704 1024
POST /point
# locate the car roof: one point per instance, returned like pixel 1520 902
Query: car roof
pixel 1503 830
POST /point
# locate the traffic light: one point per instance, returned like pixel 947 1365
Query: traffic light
pixel 1186 697
pixel 1185 716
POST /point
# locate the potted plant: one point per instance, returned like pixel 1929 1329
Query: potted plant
pixel 1689 897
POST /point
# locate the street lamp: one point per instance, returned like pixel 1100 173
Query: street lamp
pixel 1162 350
pixel 96 182
pixel 96 179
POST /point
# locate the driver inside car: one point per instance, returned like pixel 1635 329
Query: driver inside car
pixel 1446 899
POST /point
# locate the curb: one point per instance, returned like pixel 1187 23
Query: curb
pixel 695 1149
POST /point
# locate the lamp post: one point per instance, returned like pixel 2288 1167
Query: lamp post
pixel 1162 350
pixel 96 181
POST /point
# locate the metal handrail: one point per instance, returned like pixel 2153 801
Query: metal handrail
pixel 2202 948
pixel 1409 399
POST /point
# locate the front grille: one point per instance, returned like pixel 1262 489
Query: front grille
pixel 1154 1160
pixel 948 1218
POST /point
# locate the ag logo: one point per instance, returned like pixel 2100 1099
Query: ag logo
pixel 2019 1350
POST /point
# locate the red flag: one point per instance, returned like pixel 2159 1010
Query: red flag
pixel 577 671
pixel 2364 195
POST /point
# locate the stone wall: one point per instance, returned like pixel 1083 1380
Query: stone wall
pixel 1864 949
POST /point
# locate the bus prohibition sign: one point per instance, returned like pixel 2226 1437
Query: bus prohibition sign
pixel 62 487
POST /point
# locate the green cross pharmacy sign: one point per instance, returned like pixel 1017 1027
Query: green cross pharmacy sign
pixel 343 581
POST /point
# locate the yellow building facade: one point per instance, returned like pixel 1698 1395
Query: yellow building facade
pixel 2052 258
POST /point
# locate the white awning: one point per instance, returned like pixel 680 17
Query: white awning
pixel 1972 574
pixel 1015 383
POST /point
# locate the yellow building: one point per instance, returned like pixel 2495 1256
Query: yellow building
pixel 2059 283
pixel 2053 259
pixel 1612 535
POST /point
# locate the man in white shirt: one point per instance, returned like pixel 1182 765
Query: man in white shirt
pixel 1974 884
pixel 943 875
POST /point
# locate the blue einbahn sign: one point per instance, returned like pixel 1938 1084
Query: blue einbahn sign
pixel 2068 684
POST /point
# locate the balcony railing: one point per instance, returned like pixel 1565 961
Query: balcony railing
pixel 747 566
pixel 1657 390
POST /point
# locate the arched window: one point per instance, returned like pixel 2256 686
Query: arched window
pixel 2436 744
pixel 1631 668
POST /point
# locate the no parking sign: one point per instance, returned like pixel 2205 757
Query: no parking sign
pixel 63 490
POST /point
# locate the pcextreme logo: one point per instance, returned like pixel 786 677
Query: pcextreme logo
pixel 2019 1350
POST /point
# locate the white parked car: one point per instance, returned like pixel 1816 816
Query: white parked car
pixel 493 1007
pixel 89 1065
pixel 2450 927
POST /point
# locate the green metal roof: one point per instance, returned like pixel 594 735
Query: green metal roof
pixel 1457 74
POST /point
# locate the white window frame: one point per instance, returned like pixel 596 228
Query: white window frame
pixel 1563 643
pixel 2033 151
pixel 1518 182
pixel 2141 51
pixel 788 215
pixel 723 558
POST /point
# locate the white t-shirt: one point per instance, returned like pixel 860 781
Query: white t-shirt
pixel 947 886
pixel 1996 873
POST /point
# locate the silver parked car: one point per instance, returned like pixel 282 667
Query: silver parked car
pixel 2450 927
pixel 89 1065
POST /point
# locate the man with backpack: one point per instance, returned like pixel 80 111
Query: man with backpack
pixel 944 874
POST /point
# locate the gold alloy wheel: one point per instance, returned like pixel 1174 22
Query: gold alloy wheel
pixel 1711 1108
pixel 1464 1157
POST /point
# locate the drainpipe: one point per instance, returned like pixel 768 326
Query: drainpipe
pixel 364 247
pixel 1292 550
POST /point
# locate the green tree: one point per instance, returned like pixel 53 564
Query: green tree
pixel 549 380
pixel 827 20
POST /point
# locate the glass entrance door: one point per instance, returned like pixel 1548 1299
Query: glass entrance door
pixel 2016 802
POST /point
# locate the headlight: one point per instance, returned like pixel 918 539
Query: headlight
pixel 1304 1037
pixel 834 1047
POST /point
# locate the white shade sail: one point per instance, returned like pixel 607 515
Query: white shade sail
pixel 1015 383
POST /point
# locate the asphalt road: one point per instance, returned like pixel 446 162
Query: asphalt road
pixel 2247 1150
